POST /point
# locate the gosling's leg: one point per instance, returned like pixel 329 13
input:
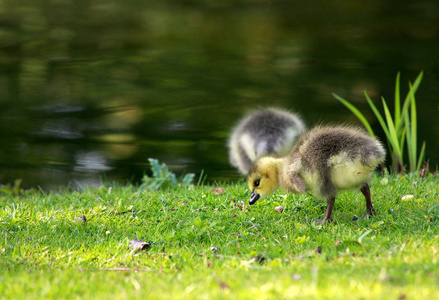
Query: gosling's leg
pixel 328 214
pixel 329 190
pixel 370 210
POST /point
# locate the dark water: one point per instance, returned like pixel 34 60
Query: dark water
pixel 91 89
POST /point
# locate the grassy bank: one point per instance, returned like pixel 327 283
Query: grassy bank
pixel 205 245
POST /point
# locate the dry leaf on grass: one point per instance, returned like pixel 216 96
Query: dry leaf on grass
pixel 217 190
pixel 224 286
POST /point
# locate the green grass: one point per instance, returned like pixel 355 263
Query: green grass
pixel 204 246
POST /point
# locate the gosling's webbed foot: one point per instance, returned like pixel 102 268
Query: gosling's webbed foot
pixel 322 221
pixel 371 211
pixel 366 216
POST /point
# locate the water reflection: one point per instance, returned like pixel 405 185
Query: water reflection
pixel 90 89
pixel 91 162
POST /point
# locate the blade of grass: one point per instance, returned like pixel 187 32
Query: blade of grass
pixel 409 137
pixel 397 101
pixel 201 178
pixel 356 112
pixel 411 125
pixel 377 114
pixel 407 101
pixel 396 155
pixel 393 137
pixel 402 140
pixel 414 128
pixel 417 82
pixel 421 156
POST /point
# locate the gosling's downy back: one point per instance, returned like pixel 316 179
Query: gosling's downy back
pixel 322 143
pixel 333 158
pixel 264 132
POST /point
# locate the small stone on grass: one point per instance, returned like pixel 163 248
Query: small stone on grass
pixel 82 219
pixel 279 209
pixel 138 245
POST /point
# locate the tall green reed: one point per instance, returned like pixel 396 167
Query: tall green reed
pixel 400 128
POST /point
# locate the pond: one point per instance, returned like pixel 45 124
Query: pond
pixel 89 90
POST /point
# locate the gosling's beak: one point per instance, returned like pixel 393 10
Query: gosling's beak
pixel 253 198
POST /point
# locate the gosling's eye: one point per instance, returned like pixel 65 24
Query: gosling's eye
pixel 257 182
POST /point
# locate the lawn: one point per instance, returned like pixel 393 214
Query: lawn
pixel 204 244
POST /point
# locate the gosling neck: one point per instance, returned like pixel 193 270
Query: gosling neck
pixel 279 166
pixel 282 176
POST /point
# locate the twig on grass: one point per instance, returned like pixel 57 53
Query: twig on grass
pixel 127 269
pixel 129 211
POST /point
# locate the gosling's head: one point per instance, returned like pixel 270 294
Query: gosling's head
pixel 263 178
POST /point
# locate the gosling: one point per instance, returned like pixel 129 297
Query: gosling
pixel 264 132
pixel 324 160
